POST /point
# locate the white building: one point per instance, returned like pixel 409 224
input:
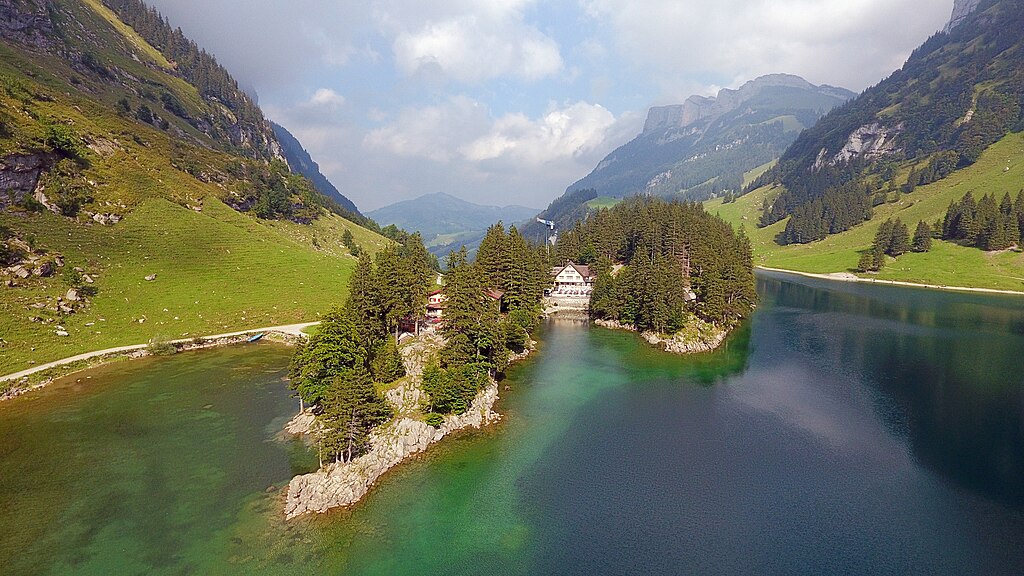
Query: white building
pixel 572 280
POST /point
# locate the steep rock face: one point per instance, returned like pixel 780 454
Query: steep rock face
pixel 961 10
pixel 19 176
pixel 300 161
pixel 697 108
pixel 26 21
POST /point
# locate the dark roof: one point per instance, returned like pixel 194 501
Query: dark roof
pixel 579 268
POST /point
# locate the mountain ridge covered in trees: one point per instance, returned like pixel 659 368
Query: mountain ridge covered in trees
pixel 957 94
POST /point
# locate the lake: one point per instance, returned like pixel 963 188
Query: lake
pixel 846 429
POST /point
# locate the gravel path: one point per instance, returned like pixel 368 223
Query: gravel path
pixel 290 329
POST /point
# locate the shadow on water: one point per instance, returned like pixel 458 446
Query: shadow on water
pixel 947 366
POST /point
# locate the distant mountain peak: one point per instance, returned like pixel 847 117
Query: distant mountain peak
pixel 961 10
pixel 697 108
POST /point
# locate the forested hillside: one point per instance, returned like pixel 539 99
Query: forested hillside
pixel 959 93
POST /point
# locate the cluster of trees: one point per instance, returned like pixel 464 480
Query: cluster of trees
pixel 338 369
pixel 479 336
pixel 893 239
pixel 667 250
pixel 985 223
pixel 837 210
pixel 271 191
pixel 945 106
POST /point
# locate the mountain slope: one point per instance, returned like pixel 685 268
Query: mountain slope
pixel 958 93
pixel 300 161
pixel 999 170
pixel 704 147
pixel 447 222
pixel 114 167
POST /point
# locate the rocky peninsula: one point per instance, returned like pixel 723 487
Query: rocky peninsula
pixel 342 484
pixel 697 337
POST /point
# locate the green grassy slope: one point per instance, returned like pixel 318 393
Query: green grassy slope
pixel 217 271
pixel 947 263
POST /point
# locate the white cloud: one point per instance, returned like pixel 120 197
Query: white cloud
pixel 431 132
pixel 561 134
pixel 476 42
pixel 326 97
pixel 853 43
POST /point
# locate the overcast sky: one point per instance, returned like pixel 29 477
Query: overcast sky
pixel 510 101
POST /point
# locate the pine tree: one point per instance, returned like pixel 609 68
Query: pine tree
pixel 922 237
pixel 899 243
pixel 866 262
pixel 352 408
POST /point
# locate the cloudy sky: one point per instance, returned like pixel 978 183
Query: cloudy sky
pixel 510 101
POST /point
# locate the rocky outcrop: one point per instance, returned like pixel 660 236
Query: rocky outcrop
pixel 698 338
pixel 871 141
pixel 19 176
pixel 697 108
pixel 961 10
pixel 343 484
pixel 26 21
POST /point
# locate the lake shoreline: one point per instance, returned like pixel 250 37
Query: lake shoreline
pixel 51 371
pixel 675 344
pixel 852 278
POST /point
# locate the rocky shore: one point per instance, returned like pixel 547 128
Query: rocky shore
pixel 345 483
pixel 694 339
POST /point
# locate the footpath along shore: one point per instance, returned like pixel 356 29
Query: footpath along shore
pixel 848 277
pixel 288 330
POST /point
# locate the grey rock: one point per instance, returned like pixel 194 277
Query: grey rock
pixel 151 277
pixel 72 295
pixel 961 10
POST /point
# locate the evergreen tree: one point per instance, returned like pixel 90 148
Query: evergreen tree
pixel 922 237
pixel 352 408
pixel 866 262
pixel 334 348
pixel 899 242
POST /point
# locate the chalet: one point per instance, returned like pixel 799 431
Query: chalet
pixel 437 300
pixel 572 280
pixel 435 304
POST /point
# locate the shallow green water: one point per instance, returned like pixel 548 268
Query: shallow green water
pixel 845 430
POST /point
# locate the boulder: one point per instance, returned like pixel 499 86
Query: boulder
pixel 72 295
pixel 21 272
pixel 45 269
pixel 151 277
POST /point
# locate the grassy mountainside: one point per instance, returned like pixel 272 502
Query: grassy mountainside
pixel 216 271
pixel 999 169
pixel 112 163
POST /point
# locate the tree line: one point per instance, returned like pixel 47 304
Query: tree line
pixel 666 251
pixel 482 330
pixel 340 370
pixel 985 223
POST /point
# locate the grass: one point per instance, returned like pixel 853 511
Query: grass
pixel 754 174
pixel 947 264
pixel 217 271
pixel 603 202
